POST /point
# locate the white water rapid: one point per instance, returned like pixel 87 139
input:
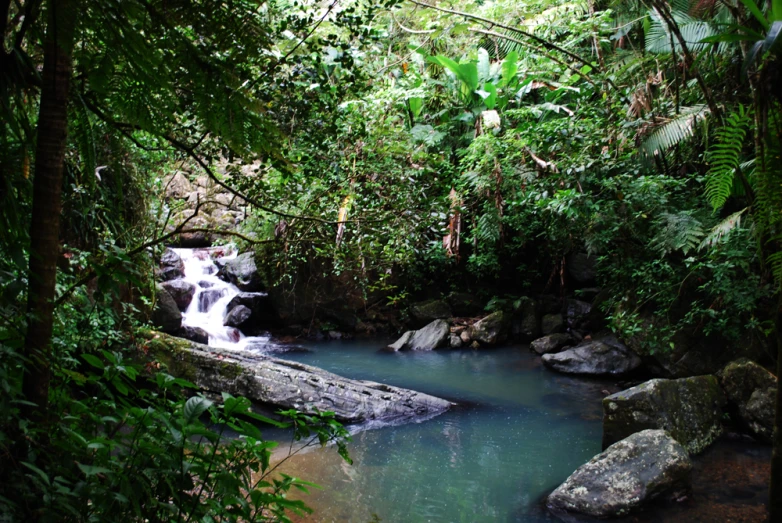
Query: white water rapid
pixel 209 306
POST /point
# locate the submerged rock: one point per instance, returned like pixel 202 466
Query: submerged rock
pixel 208 297
pixel 290 385
pixel 242 272
pixel 166 315
pixel 690 409
pixel 181 291
pixel 401 343
pixel 751 392
pixel 625 476
pixel 492 329
pixel 595 358
pixel 551 343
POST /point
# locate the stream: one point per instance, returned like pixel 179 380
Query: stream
pixel 518 432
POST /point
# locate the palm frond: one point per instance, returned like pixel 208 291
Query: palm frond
pixel 722 229
pixel 674 131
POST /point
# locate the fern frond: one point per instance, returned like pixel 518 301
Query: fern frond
pixel 680 231
pixel 487 228
pixel 675 131
pixel 724 156
pixel 722 229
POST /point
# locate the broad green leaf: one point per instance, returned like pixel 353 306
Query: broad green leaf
pixel 194 407
pixel 93 360
pixel 491 99
pixel 510 67
pixel 468 73
pixel 89 470
pixel 753 8
pixel 416 105
pixel 484 65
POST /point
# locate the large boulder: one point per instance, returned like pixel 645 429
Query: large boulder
pixel 594 358
pixel 492 329
pixel 237 317
pixel 690 409
pixel 625 476
pixel 577 312
pixel 165 315
pixel 551 343
pixel 177 186
pixel 751 392
pixel 242 272
pixel 196 334
pixel 288 385
pixel 526 325
pixel 552 323
pixel 171 266
pixel 581 268
pixel 433 336
pixel 181 291
pixel 425 312
pixel 263 315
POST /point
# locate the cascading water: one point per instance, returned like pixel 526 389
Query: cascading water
pixel 212 296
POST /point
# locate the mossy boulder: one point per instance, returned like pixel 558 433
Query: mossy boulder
pixel 625 476
pixel 551 343
pixel 689 409
pixel 492 329
pixel 750 390
pixel 552 323
pixel 165 315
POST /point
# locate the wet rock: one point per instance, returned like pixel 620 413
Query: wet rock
pixel 465 304
pixel 177 186
pixel 171 266
pixel 526 326
pixel 625 476
pixel 205 284
pixel 577 312
pixel 433 336
pixel 242 272
pixel 260 305
pixel 290 385
pixel 492 329
pixel 465 336
pixel 581 267
pixel 551 343
pixel 552 323
pixel 455 341
pixel 475 345
pixel 237 316
pixel 335 335
pixel 195 334
pixel 690 409
pixel 595 358
pixel 208 297
pixel 425 312
pixel 181 291
pixel 166 314
pixel 750 390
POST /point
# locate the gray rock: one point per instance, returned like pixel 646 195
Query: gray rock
pixel 425 312
pixel 177 186
pixel 181 291
pixel 750 390
pixel 242 272
pixel 577 312
pixel 335 335
pixel 595 358
pixel 208 297
pixel 195 334
pixel 165 314
pixel 401 343
pixel 492 329
pixel 551 343
pixel 433 336
pixel 465 336
pixel 290 385
pixel 552 323
pixel 237 317
pixel 581 267
pixel 625 476
pixel 527 326
pixel 171 266
pixel 260 304
pixel 690 409
pixel 455 341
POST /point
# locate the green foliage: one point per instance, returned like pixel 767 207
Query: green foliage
pixel 724 157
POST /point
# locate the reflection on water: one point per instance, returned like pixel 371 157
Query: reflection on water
pixel 519 432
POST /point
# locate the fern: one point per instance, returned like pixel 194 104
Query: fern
pixel 723 157
pixel 675 131
pixel 487 229
pixel 680 231
pixel 723 229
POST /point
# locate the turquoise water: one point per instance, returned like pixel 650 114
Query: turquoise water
pixel 519 431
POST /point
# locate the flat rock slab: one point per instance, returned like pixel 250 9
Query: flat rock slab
pixel 594 358
pixel 624 476
pixel 690 409
pixel 291 385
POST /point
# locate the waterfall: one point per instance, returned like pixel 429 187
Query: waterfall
pixel 209 306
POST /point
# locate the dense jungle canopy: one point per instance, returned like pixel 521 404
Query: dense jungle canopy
pixel 382 152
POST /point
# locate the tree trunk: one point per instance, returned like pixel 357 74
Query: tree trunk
pixel 47 189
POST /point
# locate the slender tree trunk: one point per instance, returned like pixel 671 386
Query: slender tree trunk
pixel 47 189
